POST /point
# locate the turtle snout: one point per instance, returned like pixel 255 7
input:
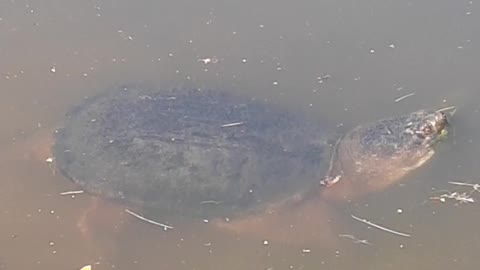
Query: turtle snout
pixel 441 122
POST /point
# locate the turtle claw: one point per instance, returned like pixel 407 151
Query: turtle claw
pixel 330 181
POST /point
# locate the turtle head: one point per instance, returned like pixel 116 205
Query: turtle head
pixel 421 130
pixel 375 156
pixel 426 127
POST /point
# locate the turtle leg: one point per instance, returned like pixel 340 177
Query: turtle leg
pixel 97 223
pixel 309 222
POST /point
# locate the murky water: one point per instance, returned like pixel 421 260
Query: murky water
pixel 342 61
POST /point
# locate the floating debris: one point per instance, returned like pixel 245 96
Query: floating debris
pixel 210 202
pixel 452 108
pixel 145 97
pixel 165 227
pixel 403 97
pixel 208 60
pixel 124 35
pixel 355 239
pixel 380 227
pixel 324 78
pixel 73 192
pixel 460 197
pixel 232 124
pixel 475 187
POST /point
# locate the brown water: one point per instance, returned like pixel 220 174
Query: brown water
pixel 53 53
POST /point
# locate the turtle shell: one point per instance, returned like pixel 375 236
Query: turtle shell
pixel 189 152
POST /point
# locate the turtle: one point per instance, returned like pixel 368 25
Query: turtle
pixel 214 154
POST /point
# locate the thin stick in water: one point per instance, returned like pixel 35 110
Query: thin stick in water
pixel 380 227
pixel 355 239
pixel 446 109
pixel 165 227
pixel 232 124
pixel 403 97
pixel 462 184
pixel 72 192
pixel 208 202
pixel 474 186
pixel 452 108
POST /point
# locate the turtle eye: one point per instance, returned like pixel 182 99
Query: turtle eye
pixel 427 130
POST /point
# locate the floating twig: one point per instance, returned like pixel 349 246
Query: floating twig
pixel 447 109
pixel 403 97
pixel 380 227
pixel 232 124
pixel 210 202
pixel 461 197
pixel 474 186
pixel 165 227
pixel 355 239
pixel 72 192
pixel 464 197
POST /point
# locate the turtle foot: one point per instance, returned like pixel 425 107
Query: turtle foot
pixel 308 223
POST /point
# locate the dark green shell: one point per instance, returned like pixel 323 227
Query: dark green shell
pixel 189 152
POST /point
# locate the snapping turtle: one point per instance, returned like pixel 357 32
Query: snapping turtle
pixel 213 154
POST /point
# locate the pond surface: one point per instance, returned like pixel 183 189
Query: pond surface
pixel 345 62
